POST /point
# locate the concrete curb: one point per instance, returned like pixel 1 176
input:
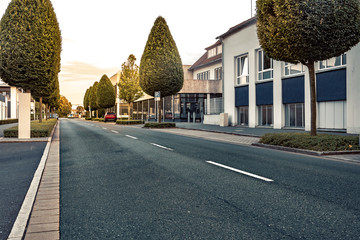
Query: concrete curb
pixel 21 221
pixel 214 131
pixel 304 151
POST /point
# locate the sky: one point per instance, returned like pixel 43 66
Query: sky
pixel 99 35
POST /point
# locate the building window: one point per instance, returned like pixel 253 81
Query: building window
pixel 242 70
pixel 203 75
pixel 243 117
pixel 211 52
pixel 218 73
pixel 333 62
pixel 219 49
pixel 294 115
pixel 265 66
pixel 265 115
pixel 292 69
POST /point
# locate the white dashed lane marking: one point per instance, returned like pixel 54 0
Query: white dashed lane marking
pixel 159 146
pixel 240 171
pixel 129 136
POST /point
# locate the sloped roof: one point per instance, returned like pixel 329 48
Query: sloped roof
pixel 238 27
pixel 205 61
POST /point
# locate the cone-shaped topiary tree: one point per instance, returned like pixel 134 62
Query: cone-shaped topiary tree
pixel 93 98
pixel 86 99
pixel 160 65
pixel 303 31
pixel 105 93
pixel 30 43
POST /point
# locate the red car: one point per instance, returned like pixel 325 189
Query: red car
pixel 110 116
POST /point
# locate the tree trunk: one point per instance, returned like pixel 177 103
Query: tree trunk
pixel 159 110
pixel 310 66
pixel 129 111
pixel 47 111
pixel 97 113
pixel 40 107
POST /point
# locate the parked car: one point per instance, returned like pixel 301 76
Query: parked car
pixel 110 116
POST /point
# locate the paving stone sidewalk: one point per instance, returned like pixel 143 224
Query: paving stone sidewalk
pixel 229 138
pixel 44 220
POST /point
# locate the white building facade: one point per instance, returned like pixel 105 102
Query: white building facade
pixel 8 101
pixel 261 92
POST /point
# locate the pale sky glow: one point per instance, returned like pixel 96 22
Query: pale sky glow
pixel 99 35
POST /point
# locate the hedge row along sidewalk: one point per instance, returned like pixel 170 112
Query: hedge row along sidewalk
pixel 320 144
pixel 8 121
pixel 160 125
pixel 38 130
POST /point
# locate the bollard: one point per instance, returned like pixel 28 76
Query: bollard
pixel 188 117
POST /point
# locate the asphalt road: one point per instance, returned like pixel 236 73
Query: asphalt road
pixel 18 163
pixel 131 183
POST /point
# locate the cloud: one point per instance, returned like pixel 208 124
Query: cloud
pixel 75 77
pixel 80 71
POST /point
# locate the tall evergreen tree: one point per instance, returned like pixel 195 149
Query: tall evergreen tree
pixel 129 86
pixel 105 93
pixel 303 31
pixel 30 43
pixel 160 65
pixel 93 98
pixel 86 99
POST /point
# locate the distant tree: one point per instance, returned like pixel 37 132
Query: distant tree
pixel 65 107
pixel 160 65
pixel 303 31
pixel 105 93
pixel 93 98
pixel 129 87
pixel 53 100
pixel 30 43
pixel 86 99
pixel 80 110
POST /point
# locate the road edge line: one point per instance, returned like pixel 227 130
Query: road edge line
pixel 18 229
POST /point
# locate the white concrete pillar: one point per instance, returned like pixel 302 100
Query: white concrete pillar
pixel 277 96
pixel 208 107
pixel 14 103
pixel 252 90
pixel 353 90
pixel 24 116
pixel 307 100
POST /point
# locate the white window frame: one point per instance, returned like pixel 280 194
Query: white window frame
pixel 217 73
pixel 261 70
pixel 289 66
pixel 241 76
pixel 203 75
pixel 325 64
pixel 212 52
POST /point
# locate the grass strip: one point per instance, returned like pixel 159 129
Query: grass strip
pixel 320 143
pixel 37 129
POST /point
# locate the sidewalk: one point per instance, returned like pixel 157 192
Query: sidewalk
pixel 244 131
pixel 44 221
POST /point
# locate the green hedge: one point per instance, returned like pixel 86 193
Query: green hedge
pixel 160 125
pixel 37 129
pixel 129 122
pixel 88 118
pixel 7 121
pixel 321 142
pixel 97 119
